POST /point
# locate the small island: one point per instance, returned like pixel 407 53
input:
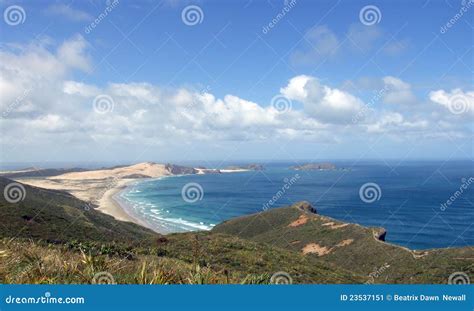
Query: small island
pixel 248 167
pixel 314 167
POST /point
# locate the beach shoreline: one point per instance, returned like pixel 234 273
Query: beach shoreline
pixel 111 205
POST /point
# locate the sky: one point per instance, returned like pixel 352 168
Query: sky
pixel 102 80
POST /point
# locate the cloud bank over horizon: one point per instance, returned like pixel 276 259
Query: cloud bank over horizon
pixel 43 106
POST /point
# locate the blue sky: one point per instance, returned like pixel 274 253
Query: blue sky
pixel 147 46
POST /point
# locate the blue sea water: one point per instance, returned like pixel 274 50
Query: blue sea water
pixel 408 198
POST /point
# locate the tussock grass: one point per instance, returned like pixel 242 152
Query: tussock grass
pixel 30 262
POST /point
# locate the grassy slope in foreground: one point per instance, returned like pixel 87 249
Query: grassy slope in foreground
pixel 50 238
pixel 57 216
pixel 349 246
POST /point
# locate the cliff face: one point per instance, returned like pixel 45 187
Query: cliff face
pixel 305 206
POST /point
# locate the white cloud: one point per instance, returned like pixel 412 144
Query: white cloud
pixel 72 54
pixel 394 122
pixel 296 88
pixel 50 123
pixel 42 104
pixel 68 12
pixel 457 101
pixel 398 91
pixel 79 88
pixel 322 102
pixel 32 76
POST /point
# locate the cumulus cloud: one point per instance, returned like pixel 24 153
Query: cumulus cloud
pixel 330 105
pixel 456 101
pixel 32 76
pixel 296 88
pixel 43 104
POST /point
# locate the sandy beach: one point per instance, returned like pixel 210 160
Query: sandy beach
pixel 109 204
pixel 99 192
pixel 101 187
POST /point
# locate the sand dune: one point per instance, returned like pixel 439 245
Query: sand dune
pixel 144 170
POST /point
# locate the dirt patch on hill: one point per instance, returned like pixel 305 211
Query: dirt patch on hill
pixel 313 248
pixel 345 243
pixel 299 222
pixel 333 225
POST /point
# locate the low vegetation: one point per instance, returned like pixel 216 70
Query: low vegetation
pixel 53 238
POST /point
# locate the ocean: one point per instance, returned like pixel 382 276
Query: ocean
pixel 421 204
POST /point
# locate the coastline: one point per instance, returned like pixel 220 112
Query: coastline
pixel 102 187
pixel 111 205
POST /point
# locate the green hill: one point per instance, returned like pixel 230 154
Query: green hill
pixel 50 237
pixel 57 217
pixel 349 246
pixel 53 237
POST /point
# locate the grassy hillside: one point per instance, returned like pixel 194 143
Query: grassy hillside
pixel 50 237
pixel 348 246
pixel 59 217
